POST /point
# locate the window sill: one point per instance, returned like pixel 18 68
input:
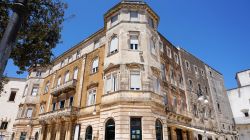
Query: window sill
pixel 110 54
pixel 93 73
pixel 11 101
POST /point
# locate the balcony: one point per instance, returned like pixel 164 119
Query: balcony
pixel 65 87
pixel 32 99
pixel 132 97
pixel 67 112
pixel 23 121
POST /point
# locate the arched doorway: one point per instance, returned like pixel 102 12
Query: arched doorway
pixel 36 136
pixel 110 130
pixel 158 130
pixel 88 134
pixel 199 137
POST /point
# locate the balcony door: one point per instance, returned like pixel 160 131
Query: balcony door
pixel 179 134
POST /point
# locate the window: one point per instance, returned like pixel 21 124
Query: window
pixel 75 73
pixel 114 20
pixel 62 63
pixel 195 111
pixel 46 89
pixel 218 106
pixel 180 80
pixel 96 44
pixel 66 77
pixel 29 113
pixel 156 85
pixel 202 73
pixel 69 58
pixel 38 74
pixel 62 104
pixel 135 129
pixel 41 108
pixel 163 72
pixel 20 112
pixel 174 101
pixel 134 16
pixel 23 136
pixel 134 43
pixel 151 22
pixel 169 53
pixel 190 84
pixel 246 114
pixel 4 125
pixel 152 46
pixel 113 48
pixel 78 53
pixel 135 80
pixel 34 91
pixel 58 81
pixel 95 65
pixel 111 84
pixel 172 75
pixel 88 134
pixel 71 100
pixel 110 130
pixel 187 65
pixel 91 97
pixel 53 106
pixel 158 130
pixel 12 96
pixel 25 90
pixel 196 69
pixel 176 58
pixel 161 47
pixel 77 132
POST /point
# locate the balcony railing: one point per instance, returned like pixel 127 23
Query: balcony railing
pixel 57 114
pixel 23 121
pixel 31 99
pixel 65 87
pixel 132 96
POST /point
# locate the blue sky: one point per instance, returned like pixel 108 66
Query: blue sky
pixel 216 31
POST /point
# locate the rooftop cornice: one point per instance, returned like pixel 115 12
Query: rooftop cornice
pixel 130 4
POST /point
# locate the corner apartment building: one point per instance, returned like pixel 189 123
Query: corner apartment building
pixel 126 81
pixel 10 98
pixel 240 103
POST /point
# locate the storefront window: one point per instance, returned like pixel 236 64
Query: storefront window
pixel 135 128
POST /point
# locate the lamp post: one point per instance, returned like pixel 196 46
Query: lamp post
pixel 204 101
pixel 10 34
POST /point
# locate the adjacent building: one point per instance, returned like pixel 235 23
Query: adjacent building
pixel 10 98
pixel 126 81
pixel 240 103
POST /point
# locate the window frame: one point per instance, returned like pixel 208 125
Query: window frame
pixel 135 126
pixel 132 45
pixel 139 79
pixel 95 65
pixel 158 130
pixel 114 48
pixel 11 98
pixel 32 91
pixel 91 100
pixel 136 18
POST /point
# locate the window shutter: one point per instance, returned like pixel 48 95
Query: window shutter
pixel 113 45
pixel 75 73
pixel 29 113
pixel 66 79
pixel 134 40
pixel 135 81
pixel 95 63
pixel 77 132
pixel 109 85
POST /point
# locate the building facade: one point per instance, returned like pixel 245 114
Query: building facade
pixel 239 100
pixel 10 99
pixel 126 81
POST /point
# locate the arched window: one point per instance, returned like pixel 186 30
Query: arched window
pixel 36 136
pixel 46 89
pixel 58 81
pixel 113 48
pixel 75 73
pixel 110 130
pixel 199 137
pixel 95 65
pixel 66 77
pixel 158 129
pixel 88 134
